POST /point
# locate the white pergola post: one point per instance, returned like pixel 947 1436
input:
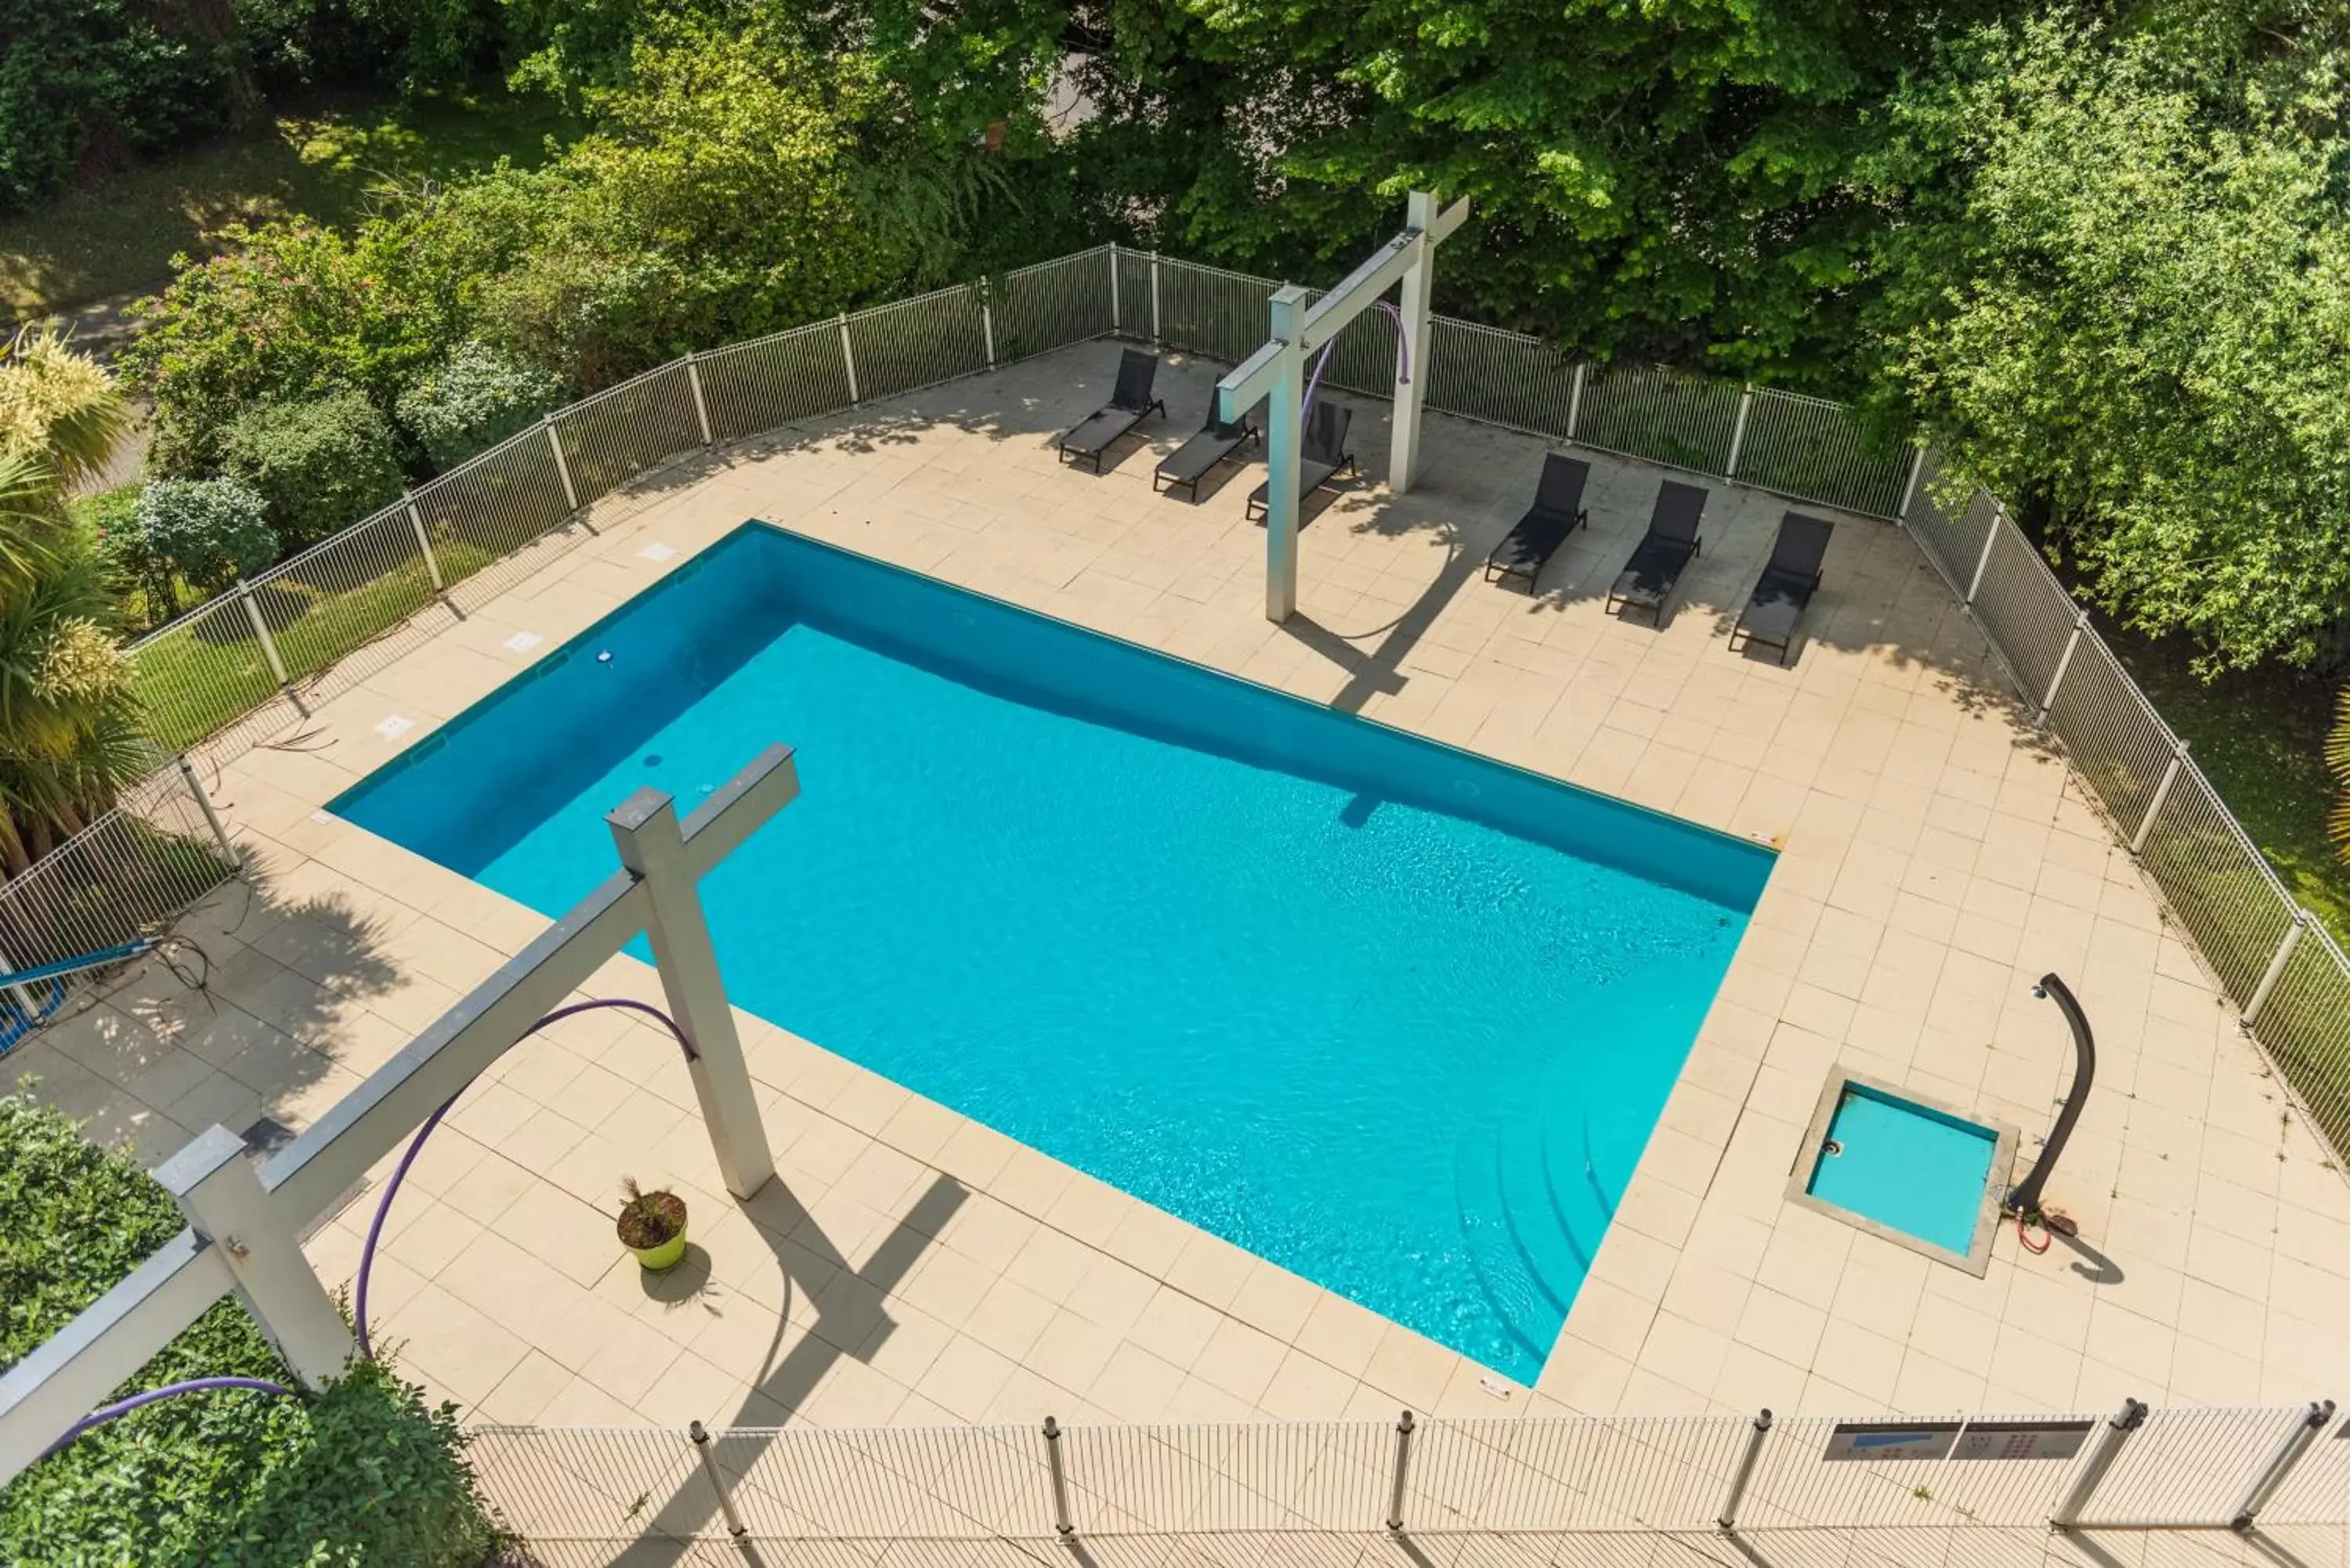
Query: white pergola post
pixel 652 847
pixel 1274 375
pixel 220 1193
pixel 1282 435
pixel 1412 351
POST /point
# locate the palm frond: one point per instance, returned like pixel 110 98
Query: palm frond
pixel 59 405
pixel 32 518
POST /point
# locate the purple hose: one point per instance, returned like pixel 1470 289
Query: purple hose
pixel 120 1407
pixel 1322 362
pixel 416 1144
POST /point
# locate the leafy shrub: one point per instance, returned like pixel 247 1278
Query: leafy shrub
pixel 478 398
pixel 292 313
pixel 737 184
pixel 319 466
pixel 363 1473
pixel 209 532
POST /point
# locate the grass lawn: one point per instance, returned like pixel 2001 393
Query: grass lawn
pixel 196 681
pixel 322 159
pixel 2260 738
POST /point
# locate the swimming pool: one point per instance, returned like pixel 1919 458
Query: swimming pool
pixel 1395 1017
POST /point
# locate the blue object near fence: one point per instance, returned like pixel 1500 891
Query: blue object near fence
pixel 23 1010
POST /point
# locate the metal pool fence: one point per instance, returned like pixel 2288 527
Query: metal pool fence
pixel 248 662
pixel 591 1494
pixel 2285 973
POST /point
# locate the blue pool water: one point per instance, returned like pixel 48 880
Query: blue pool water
pixel 1907 1166
pixel 1395 1017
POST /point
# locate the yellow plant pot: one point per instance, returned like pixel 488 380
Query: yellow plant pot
pixel 656 1260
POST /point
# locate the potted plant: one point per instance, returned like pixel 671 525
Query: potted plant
pixel 653 1226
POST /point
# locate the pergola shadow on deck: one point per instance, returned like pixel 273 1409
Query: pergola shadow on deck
pixel 1935 860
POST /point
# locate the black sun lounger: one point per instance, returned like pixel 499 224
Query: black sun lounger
pixel 1648 579
pixel 1188 464
pixel 1557 511
pixel 1320 457
pixel 1128 403
pixel 1788 582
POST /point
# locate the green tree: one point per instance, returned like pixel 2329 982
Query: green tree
pixel 2119 295
pixel 90 85
pixel 1661 180
pixel 735 183
pixel 291 314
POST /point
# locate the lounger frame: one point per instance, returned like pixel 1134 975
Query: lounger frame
pixel 1127 407
pixel 1783 582
pixel 1232 439
pixel 1319 461
pixel 1667 553
pixel 1573 514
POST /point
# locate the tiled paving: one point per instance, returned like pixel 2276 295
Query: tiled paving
pixel 912 1265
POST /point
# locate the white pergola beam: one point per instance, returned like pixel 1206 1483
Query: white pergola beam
pixel 1248 384
pixel 1274 373
pixel 391 1102
pixel 264 1211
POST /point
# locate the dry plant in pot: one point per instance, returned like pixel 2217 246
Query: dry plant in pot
pixel 653 1226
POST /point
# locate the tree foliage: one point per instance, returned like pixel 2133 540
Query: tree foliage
pixel 365 1473
pixel 91 84
pixel 2122 298
pixel 87 86
pixel 737 184
pixel 1661 181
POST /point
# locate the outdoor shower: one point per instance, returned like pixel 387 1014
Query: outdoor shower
pixel 2023 1200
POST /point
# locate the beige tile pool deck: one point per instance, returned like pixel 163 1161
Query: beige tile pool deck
pixel 911 1265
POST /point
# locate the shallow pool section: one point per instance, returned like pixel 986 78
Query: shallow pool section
pixel 1390 1015
pixel 1911 1167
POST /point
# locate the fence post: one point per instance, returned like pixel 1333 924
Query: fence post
pixel 2162 794
pixel 1061 1522
pixel 2275 972
pixel 701 407
pixel 1575 399
pixel 987 318
pixel 1728 1518
pixel 1909 484
pixel 562 464
pixel 2118 1426
pixel 1117 315
pixel 735 1525
pixel 423 541
pixel 1402 1468
pixel 243 591
pixel 2297 1442
pixel 212 817
pixel 1738 431
pixel 2065 663
pixel 849 357
pixel 1991 537
pixel 1155 336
